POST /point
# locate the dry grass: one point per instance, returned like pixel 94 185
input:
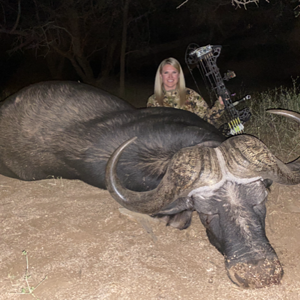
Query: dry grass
pixel 281 135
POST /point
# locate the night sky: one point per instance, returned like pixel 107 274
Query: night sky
pixel 83 40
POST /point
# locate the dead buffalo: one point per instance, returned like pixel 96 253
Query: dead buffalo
pixel 159 161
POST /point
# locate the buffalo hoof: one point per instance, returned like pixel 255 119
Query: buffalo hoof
pixel 263 273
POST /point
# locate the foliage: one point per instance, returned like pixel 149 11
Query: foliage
pixel 280 134
pixel 28 290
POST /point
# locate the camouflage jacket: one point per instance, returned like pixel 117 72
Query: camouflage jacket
pixel 194 103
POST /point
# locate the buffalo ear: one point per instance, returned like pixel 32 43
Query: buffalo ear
pixel 180 220
pixel 267 183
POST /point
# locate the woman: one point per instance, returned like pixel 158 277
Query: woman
pixel 170 91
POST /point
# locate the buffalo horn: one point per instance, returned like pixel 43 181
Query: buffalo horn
pixel 183 175
pixel 148 202
pixel 286 113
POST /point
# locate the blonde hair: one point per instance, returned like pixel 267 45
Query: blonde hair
pixel 158 84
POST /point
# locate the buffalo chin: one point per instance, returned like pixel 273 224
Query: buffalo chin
pixel 263 273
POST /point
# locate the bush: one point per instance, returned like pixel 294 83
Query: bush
pixel 281 135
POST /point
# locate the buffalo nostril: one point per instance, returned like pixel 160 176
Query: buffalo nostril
pixel 260 274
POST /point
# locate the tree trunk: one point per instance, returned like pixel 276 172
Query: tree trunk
pixel 55 63
pixel 123 48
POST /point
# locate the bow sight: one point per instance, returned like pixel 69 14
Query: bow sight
pixel 204 58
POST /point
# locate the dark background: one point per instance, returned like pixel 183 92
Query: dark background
pixel 107 41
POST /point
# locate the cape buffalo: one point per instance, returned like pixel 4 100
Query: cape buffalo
pixel 157 161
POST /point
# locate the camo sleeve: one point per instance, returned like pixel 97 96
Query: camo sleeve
pixel 196 104
pixel 152 102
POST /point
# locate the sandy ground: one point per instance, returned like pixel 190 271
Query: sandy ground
pixel 79 246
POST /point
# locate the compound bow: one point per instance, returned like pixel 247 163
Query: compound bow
pixel 205 60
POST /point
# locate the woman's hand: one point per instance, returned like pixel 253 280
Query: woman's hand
pixel 221 100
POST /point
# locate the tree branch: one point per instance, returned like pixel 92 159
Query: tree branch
pixel 18 17
pixel 238 3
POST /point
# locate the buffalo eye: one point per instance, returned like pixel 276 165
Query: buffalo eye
pixel 267 183
pixel 260 208
pixel 207 218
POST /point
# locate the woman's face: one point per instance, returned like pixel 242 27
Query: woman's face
pixel 170 77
